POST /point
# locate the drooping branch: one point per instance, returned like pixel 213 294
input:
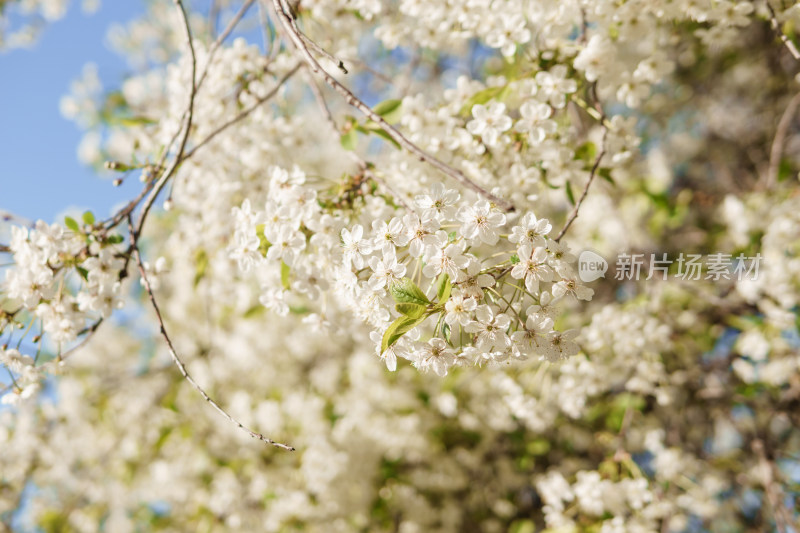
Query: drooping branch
pixel 299 41
pixel 174 355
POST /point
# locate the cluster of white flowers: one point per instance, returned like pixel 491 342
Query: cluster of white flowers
pixel 629 501
pixel 443 284
pixel 646 402
pixel 61 279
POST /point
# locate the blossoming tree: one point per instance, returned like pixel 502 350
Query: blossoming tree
pixel 350 287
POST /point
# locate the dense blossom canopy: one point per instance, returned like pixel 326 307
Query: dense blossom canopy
pixel 358 239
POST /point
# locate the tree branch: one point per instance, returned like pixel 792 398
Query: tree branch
pixel 188 128
pixel 224 35
pixel 574 214
pixel 776 151
pixel 89 331
pixel 133 204
pixel 244 113
pixel 773 19
pixel 177 360
pixel 363 165
pixel 299 42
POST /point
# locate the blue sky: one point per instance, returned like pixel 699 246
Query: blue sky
pixel 40 175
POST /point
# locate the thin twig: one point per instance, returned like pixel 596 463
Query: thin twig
pixel 266 33
pixel 213 14
pixel 773 18
pixel 300 44
pixel 123 213
pixel 222 36
pixel 574 214
pixel 363 165
pixel 244 113
pixel 133 204
pixel 776 151
pixel 188 128
pixel 375 72
pixel 287 8
pixel 177 360
pixel 89 331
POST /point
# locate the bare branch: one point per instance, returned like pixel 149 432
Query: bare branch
pixel 123 213
pixel 177 360
pixel 363 165
pixel 89 331
pixel 779 140
pixel 773 19
pixel 213 14
pixel 133 204
pixel 244 113
pixel 299 43
pixel 574 214
pixel 287 8
pixel 224 35
pixel 159 185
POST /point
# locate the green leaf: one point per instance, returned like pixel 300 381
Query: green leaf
pixel 446 333
pixel 410 310
pixel 134 121
pixel 522 526
pixel 444 288
pixel 88 218
pixel 586 152
pixel 406 291
pixel 72 224
pixel 200 265
pixel 451 237
pixel 785 170
pixel 538 446
pixel 350 140
pixel 116 238
pixel 263 243
pixel 386 137
pixel 285 272
pixel 389 110
pixel 605 173
pixel 398 328
pixel 570 195
pixel 256 310
pixel 514 259
pixel 83 272
pixel 620 404
pixel 481 97
pixel 375 129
